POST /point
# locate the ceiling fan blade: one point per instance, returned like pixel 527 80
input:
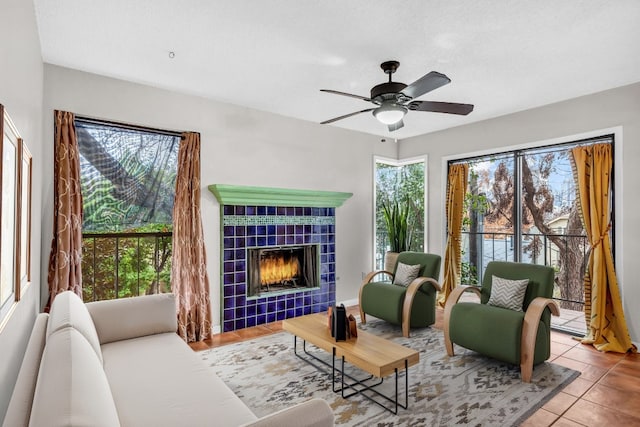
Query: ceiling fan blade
pixel 396 126
pixel 441 107
pixel 426 83
pixel 336 92
pixel 345 116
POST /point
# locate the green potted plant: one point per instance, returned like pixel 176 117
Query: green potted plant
pixel 396 218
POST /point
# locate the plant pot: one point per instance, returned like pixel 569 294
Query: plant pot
pixel 390 260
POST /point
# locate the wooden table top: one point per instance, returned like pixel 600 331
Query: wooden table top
pixel 373 354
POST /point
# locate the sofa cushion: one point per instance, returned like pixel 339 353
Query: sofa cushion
pixel 72 388
pixel 68 310
pixel 157 380
pixel 494 331
pixel 127 318
pixel 385 301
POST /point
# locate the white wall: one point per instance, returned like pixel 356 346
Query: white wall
pixel 21 94
pixel 239 146
pixel 613 108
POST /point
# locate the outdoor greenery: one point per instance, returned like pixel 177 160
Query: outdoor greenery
pixel 127 181
pixel 396 218
pixel 476 205
pixel 137 262
pixel 402 185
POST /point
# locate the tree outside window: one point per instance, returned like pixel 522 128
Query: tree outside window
pixel 128 186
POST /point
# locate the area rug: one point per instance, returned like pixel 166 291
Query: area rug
pixel 466 389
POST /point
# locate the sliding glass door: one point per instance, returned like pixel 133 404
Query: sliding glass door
pixel 521 206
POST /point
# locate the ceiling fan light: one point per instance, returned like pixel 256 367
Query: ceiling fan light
pixel 389 114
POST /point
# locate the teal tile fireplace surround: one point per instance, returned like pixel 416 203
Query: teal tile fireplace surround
pixel 262 217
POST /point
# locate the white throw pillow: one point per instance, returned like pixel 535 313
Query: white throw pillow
pixel 507 293
pixel 405 274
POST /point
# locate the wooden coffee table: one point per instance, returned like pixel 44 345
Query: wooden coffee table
pixel 376 356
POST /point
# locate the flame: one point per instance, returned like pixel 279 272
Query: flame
pixel 276 269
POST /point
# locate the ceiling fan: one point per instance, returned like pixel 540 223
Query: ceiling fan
pixel 395 99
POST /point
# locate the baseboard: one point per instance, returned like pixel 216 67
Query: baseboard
pixel 349 302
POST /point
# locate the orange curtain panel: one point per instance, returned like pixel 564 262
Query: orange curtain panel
pixel 606 325
pixel 456 190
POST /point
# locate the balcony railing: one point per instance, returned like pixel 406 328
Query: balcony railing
pixel 566 253
pixel 382 245
pixel 125 264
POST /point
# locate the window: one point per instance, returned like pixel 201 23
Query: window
pixel 128 179
pixel 522 206
pixel 15 215
pixel 402 181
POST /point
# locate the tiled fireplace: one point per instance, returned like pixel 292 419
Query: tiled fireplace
pixel 258 225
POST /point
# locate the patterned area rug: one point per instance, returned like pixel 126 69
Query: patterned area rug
pixel 467 389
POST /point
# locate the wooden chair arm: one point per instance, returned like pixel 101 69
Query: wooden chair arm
pixel 454 296
pixel 367 279
pixel 412 289
pixel 530 331
pixel 373 274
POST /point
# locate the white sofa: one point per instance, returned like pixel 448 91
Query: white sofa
pixel 121 363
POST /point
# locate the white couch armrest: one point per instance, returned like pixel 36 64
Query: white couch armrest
pixel 312 413
pixel 127 318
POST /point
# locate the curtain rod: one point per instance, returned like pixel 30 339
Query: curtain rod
pixel 127 126
pixel 609 138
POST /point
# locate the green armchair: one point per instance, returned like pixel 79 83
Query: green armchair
pixel 412 304
pixel 521 334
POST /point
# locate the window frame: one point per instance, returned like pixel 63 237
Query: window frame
pixel 22 192
pixel 123 235
pixel 397 163
pixel 617 203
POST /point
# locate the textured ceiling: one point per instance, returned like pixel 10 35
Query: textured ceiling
pixel 275 55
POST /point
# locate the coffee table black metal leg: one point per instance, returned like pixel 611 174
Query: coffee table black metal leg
pixel 309 357
pixel 333 371
pixel 304 349
pixel 358 386
pixel 396 370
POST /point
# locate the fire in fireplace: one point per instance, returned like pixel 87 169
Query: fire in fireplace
pixel 282 268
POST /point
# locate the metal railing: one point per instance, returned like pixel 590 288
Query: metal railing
pixel 382 245
pixel 566 253
pixel 120 265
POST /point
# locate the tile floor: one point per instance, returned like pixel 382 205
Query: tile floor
pixel 606 393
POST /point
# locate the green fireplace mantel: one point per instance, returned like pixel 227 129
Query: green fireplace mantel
pixel 266 196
